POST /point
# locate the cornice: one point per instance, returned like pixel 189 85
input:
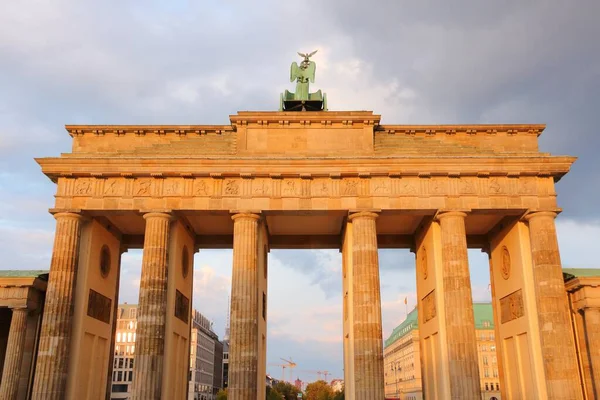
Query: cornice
pixel 319 119
pixel 452 167
pixel 141 130
pixel 479 129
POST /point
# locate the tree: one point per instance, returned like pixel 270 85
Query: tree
pixel 222 394
pixel 273 394
pixel 287 390
pixel 339 395
pixel 319 390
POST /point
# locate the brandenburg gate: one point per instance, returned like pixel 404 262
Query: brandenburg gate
pixel 311 180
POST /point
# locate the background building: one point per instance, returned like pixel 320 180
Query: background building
pixel 206 356
pixel 206 360
pixel 402 363
pixel 122 374
pixel 226 358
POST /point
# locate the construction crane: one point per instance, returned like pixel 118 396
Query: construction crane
pixel 317 373
pixel 324 373
pixel 283 367
pixel 291 365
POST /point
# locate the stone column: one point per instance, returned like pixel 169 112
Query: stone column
pixel 152 307
pixel 592 332
pixel 558 348
pixel 55 336
pixel 460 321
pixel 368 342
pixel 243 338
pixel 9 386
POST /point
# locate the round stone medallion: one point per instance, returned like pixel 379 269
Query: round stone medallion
pixel 104 261
pixel 424 266
pixel 505 263
pixel 185 262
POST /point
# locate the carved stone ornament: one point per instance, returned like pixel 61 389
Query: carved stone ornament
pixel 424 266
pixel 505 263
pixel 185 262
pixel 104 261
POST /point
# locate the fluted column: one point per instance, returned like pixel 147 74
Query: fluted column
pixel 243 338
pixel 9 386
pixel 53 351
pixel 152 308
pixel 592 332
pixel 368 351
pixel 460 321
pixel 558 348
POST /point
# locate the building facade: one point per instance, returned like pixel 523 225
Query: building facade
pixel 124 353
pixel 402 357
pixel 206 360
pixel 206 355
pixel 22 295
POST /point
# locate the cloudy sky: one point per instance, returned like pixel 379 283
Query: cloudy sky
pixel 187 62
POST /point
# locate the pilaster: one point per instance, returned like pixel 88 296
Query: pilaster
pixel 366 308
pixel 53 352
pixel 150 338
pixel 592 333
pixel 556 336
pixel 9 386
pixel 244 340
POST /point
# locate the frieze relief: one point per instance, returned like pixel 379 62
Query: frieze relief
pixel 276 186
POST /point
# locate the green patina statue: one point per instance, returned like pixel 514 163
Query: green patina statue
pixel 303 100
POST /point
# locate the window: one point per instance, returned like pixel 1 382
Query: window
pixel 118 338
pixel 486 372
pixel 495 373
pixel 119 388
pixel 119 376
pixel 133 313
pixel 485 360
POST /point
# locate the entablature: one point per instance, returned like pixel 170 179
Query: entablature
pixel 307 168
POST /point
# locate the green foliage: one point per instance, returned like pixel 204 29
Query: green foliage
pixel 222 394
pixel 273 394
pixel 287 390
pixel 339 395
pixel 319 390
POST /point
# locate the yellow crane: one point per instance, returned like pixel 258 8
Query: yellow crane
pixel 291 365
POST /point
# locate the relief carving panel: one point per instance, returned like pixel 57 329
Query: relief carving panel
pixel 511 306
pixel 429 309
pixel 182 307
pixel 335 186
pixel 99 306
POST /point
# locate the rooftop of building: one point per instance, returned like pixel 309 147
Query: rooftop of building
pixel 24 273
pixel 483 313
pixel 572 273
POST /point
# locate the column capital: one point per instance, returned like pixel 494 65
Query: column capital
pixel 535 214
pixel 450 213
pixel 19 308
pixel 158 214
pixel 363 214
pixel 68 214
pixel 245 215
